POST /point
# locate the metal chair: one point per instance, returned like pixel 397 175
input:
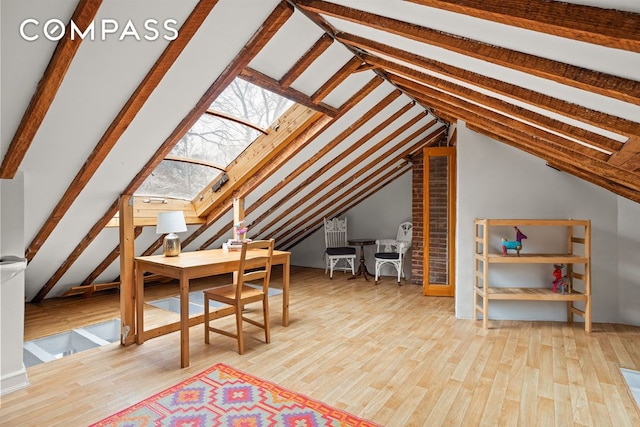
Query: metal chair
pixel 392 252
pixel 336 249
pixel 255 264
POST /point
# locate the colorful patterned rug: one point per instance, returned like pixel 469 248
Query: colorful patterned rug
pixel 223 396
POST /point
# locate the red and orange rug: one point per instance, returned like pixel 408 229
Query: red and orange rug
pixel 223 396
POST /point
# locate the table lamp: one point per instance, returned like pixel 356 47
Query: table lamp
pixel 171 222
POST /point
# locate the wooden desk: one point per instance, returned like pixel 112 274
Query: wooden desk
pixel 193 265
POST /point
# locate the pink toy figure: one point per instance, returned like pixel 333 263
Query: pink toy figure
pixel 513 244
pixel 241 230
pixel 560 280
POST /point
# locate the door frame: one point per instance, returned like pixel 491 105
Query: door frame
pixel 439 289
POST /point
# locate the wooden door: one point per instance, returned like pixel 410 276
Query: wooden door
pixel 439 221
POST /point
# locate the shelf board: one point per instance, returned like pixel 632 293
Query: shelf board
pixel 533 294
pixel 533 222
pixel 536 259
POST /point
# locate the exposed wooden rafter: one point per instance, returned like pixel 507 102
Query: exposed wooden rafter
pixel 306 60
pixel 47 89
pixel 581 78
pixel 573 132
pixel 555 105
pixel 535 141
pixel 266 82
pixel 121 122
pixel 345 71
pixel 607 27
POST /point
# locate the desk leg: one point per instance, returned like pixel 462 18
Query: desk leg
pixel 285 292
pixel 184 320
pixel 139 306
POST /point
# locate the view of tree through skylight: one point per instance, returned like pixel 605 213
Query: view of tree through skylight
pixel 215 140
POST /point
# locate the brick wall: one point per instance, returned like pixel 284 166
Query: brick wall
pixel 417 217
pixel 437 219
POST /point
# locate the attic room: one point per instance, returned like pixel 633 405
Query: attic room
pixel 465 118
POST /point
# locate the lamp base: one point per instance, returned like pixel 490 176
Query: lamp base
pixel 171 245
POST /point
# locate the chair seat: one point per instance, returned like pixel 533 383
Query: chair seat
pixel 228 293
pixel 345 250
pixel 387 255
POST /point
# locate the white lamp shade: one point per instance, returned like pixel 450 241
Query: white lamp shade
pixel 171 222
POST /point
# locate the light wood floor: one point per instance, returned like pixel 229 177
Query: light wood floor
pixel 385 353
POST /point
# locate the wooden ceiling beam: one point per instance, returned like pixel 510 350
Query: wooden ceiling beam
pixel 445 99
pixel 429 83
pixel 620 190
pixel 121 122
pixel 545 143
pixel 306 60
pixel 555 105
pixel 606 27
pixel 106 262
pixel 257 78
pixel 97 228
pixel 630 150
pixel 601 83
pixel 576 170
pixel 47 89
pixel 345 71
pixel 542 148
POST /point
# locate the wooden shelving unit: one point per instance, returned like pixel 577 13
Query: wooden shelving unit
pixel 484 258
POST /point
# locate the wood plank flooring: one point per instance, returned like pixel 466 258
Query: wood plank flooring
pixel 385 353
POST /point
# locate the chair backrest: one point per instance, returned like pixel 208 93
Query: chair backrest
pixel 401 244
pixel 335 232
pixel 256 258
pixel 405 234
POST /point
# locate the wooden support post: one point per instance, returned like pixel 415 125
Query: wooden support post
pixel 127 286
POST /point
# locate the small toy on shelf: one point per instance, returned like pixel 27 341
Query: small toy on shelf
pixel 513 244
pixel 561 281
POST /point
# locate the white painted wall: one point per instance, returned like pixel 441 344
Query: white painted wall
pixel 377 217
pixel 13 375
pixel 629 261
pixel 498 181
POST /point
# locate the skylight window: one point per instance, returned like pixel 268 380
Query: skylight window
pixel 233 121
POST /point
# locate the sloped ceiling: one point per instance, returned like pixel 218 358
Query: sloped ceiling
pixel 87 120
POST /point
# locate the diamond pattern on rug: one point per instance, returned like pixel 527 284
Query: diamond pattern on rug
pixel 223 396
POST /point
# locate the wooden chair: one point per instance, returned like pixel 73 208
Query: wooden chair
pixel 336 249
pixel 392 252
pixel 255 265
